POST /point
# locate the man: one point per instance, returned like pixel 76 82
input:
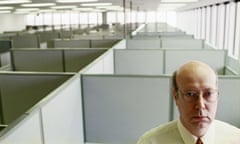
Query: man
pixel 195 92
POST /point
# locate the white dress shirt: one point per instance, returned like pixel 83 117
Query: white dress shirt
pixel 175 133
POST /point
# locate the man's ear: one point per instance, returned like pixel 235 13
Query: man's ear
pixel 175 94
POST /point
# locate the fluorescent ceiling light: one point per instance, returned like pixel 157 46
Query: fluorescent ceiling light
pixel 64 7
pixel 96 4
pixel 113 8
pixel 27 9
pixel 4 12
pixel 38 4
pixel 75 1
pixel 14 1
pixel 6 8
pixel 83 9
pixel 88 10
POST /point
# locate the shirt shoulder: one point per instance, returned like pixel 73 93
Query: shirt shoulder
pixel 227 132
pixel 167 133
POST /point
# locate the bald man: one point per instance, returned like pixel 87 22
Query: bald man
pixel 195 92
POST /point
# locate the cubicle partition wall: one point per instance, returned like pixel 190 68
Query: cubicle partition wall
pixel 149 62
pixel 162 37
pixel 153 43
pixel 228 109
pixel 165 43
pixel 46 37
pixel 163 33
pixel 101 65
pixel 53 60
pixel 164 61
pixel 84 43
pixel 232 66
pixel 71 43
pixel 55 119
pixel 20 91
pixel 25 41
pixel 119 108
pixel 175 58
pixel 182 43
pixel 158 27
pixel 5 45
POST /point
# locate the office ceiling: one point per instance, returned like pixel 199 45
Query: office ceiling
pixel 141 5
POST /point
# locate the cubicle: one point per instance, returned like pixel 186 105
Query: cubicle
pixel 25 41
pixel 164 61
pixel 54 112
pixel 5 46
pixel 119 108
pixel 53 60
pixel 84 43
pixel 166 43
pixel 23 90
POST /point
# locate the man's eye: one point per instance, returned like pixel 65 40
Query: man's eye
pixel 190 94
pixel 209 93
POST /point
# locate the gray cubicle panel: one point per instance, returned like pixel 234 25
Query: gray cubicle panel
pixel 228 105
pixel 161 33
pixel 76 59
pixel 119 109
pixel 42 60
pixel 181 37
pixel 143 37
pixel 71 43
pixel 25 41
pixel 143 43
pixel 48 36
pixel 20 91
pixel 5 45
pixel 182 43
pixel 177 57
pixel 139 62
pixel 232 66
pixel 103 43
pixel 66 34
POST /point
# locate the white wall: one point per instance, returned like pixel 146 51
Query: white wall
pixel 11 22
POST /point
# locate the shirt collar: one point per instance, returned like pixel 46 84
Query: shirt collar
pixel 188 138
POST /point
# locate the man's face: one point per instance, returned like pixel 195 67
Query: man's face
pixel 196 114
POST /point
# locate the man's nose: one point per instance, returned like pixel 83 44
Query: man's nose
pixel 200 104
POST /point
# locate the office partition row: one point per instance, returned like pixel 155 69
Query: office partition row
pixel 53 60
pixel 98 105
pixel 156 43
pixel 164 61
pixel 84 43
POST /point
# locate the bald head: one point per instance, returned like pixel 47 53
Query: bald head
pixel 193 70
pixel 198 78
